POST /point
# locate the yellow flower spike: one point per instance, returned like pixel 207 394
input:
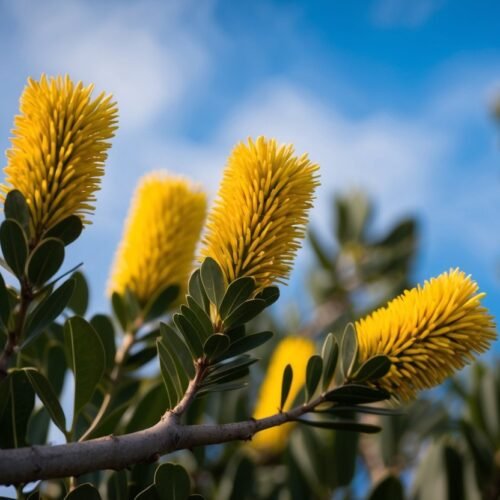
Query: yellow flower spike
pixel 428 332
pixel 59 147
pixel 159 241
pixel 295 351
pixel 259 218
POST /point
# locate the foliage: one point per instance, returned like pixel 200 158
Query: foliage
pixel 162 362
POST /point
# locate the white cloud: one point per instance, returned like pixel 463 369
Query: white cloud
pixel 145 54
pixel 404 13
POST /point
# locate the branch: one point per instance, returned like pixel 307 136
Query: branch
pixel 33 463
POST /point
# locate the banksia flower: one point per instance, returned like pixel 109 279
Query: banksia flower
pixel 259 218
pixel 160 237
pixel 58 149
pixel 295 351
pixel 428 333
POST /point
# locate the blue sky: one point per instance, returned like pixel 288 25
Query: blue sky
pixel 391 96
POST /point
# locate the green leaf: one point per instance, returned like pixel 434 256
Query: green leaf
pixel 349 349
pixel 321 255
pixel 356 394
pixel 212 280
pixel 190 334
pixel 16 208
pixel 390 488
pixel 48 310
pixel 237 292
pixel 48 397
pixel 119 309
pixel 149 493
pixel 174 368
pixel 204 329
pixel 269 295
pixel 55 361
pixel 347 410
pixel 244 313
pixel 86 359
pixel 106 331
pixel 373 369
pixel 314 370
pixel 14 421
pixel 116 486
pixel 342 425
pixel 175 344
pixel 454 463
pixel 83 492
pixel 216 345
pixel 172 482
pixel 140 358
pixel 223 372
pixel 149 409
pixel 229 386
pixel 44 261
pixel 169 375
pixel 286 384
pixel 201 315
pixel 330 354
pixel 196 290
pixel 247 343
pixel 160 303
pixel 14 246
pixel 68 230
pixel 110 422
pixel 79 301
pixel 4 303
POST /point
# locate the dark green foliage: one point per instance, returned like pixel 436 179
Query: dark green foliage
pixel 286 384
pixel 44 261
pixel 68 230
pixel 14 246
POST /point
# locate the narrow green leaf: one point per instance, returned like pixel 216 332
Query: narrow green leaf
pixel 68 230
pixel 48 310
pixel 149 409
pixel 244 313
pixel 347 410
pixel 55 361
pixel 14 246
pixel 286 384
pixel 373 369
pixel 176 344
pixel 140 358
pixel 87 359
pixel 191 336
pixel 80 298
pixel 173 366
pixel 15 207
pixel 237 292
pixel 342 425
pixel 356 394
pixel 314 370
pixel 119 309
pixel 203 317
pixel 83 492
pixel 204 330
pixel 269 295
pixel 321 254
pixel 106 331
pixel 213 280
pixel 149 493
pixel 247 343
pixel 44 261
pixel 48 397
pixel 171 385
pixel 117 486
pixel 454 464
pixel 172 481
pixel 19 407
pixel 4 303
pixel 225 366
pixel 349 349
pixel 330 354
pixel 229 386
pixel 160 303
pixel 111 420
pixel 216 345
pixel 228 376
pixel 196 290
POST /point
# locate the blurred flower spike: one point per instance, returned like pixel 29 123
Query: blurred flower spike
pixel 159 241
pixel 59 146
pixel 259 217
pixel 295 351
pixel 428 333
